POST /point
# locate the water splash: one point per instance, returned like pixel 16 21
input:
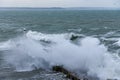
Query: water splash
pixel 37 50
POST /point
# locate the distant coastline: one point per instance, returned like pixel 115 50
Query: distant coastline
pixel 62 8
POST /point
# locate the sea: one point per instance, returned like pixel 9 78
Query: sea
pixel 85 42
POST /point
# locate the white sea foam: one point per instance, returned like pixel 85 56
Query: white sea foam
pixel 27 52
pixel 5 45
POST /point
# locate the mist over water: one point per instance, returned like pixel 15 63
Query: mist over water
pixel 86 43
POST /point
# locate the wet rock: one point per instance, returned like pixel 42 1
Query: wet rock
pixel 74 37
pixel 66 72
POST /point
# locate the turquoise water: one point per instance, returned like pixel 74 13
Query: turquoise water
pixel 35 37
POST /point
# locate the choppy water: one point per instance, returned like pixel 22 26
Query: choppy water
pixel 32 41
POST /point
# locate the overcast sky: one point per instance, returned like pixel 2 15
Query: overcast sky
pixel 59 3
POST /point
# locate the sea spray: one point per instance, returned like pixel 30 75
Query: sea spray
pixel 32 51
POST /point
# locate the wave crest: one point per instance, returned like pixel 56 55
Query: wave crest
pixel 91 57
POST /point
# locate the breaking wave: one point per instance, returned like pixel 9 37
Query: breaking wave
pixel 36 50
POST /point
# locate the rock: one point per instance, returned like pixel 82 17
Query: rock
pixel 73 37
pixel 66 72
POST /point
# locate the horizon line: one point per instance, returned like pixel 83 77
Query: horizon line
pixel 64 8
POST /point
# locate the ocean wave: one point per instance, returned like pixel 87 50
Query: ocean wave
pixel 27 52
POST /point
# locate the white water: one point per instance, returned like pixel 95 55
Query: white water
pixel 37 50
